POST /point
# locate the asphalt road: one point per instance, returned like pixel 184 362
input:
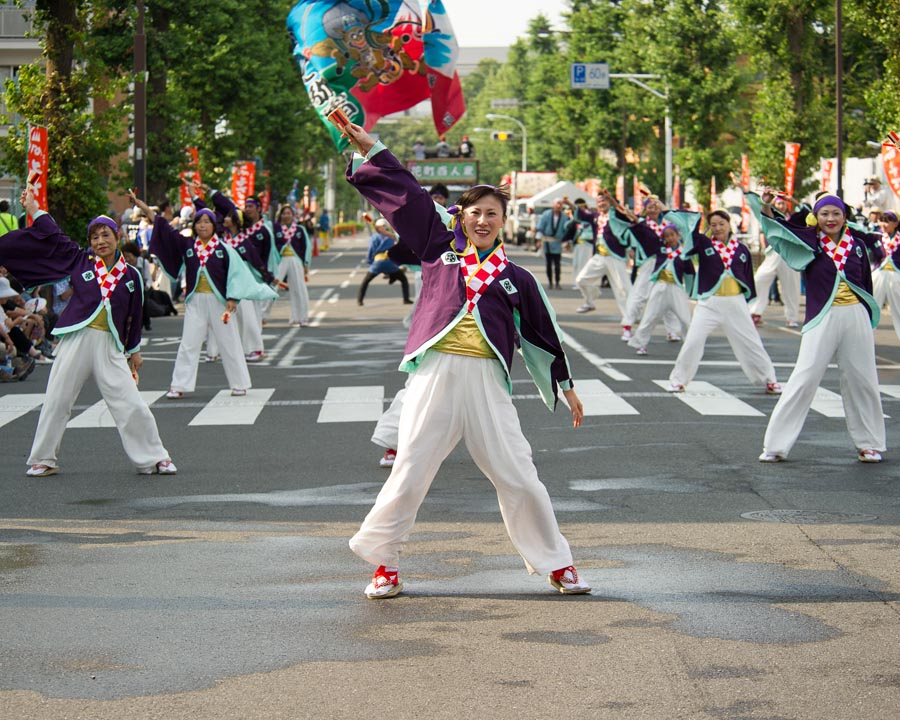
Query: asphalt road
pixel 723 588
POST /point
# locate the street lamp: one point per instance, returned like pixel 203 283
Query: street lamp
pixel 496 116
pixel 634 77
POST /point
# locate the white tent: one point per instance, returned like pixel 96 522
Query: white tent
pixel 563 188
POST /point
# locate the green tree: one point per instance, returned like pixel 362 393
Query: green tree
pixel 57 93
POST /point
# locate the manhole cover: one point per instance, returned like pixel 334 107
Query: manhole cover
pixel 807 517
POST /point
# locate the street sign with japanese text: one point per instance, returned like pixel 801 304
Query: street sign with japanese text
pixel 589 76
pixel 460 171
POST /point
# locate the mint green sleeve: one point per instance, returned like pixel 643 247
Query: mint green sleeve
pixel 795 251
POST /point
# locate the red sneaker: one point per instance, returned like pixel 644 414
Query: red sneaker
pixel 567 582
pixel 385 584
pixel 389 456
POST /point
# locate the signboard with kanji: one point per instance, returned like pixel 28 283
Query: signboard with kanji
pixel 456 171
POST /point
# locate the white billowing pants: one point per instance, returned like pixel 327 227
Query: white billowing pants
pixel 664 297
pixel 886 288
pixel 202 314
pixel 387 430
pixel 845 334
pixel 591 275
pixel 774 266
pixel 90 352
pixel 417 289
pixel 453 397
pixel 731 314
pixel 291 268
pixel 581 253
pixel 249 324
pixel 637 297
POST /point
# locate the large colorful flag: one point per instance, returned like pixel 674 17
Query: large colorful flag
pixel 38 165
pixel 827 170
pixel 243 181
pixel 745 186
pixel 890 155
pixel 791 155
pixel 371 58
pixel 189 174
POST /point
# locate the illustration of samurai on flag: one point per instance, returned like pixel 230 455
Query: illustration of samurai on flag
pixel 371 58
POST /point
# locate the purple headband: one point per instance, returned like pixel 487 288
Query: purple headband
pixel 890 216
pixel 668 226
pixel 204 211
pixel 252 200
pixel 103 220
pixel 829 200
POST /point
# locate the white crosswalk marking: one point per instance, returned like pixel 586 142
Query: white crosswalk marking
pixel 13 407
pixel 828 403
pixel 890 390
pixel 352 404
pixel 224 409
pixel 98 415
pixel 707 399
pixel 599 399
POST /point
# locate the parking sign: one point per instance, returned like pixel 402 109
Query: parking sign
pixel 589 76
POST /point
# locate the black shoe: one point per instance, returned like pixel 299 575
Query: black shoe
pixel 407 302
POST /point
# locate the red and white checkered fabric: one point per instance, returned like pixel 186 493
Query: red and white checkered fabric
pixel 672 252
pixel 726 252
pixel 890 244
pixel 654 226
pixel 108 279
pixel 289 233
pixel 244 234
pixel 837 252
pixel 203 253
pixel 479 275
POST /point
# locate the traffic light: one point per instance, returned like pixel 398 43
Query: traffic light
pixel 501 135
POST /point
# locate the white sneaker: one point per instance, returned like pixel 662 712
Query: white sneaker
pixel 163 467
pixel 869 456
pixel 238 392
pixel 626 334
pixel 41 470
pixel 255 356
pixel 672 337
pixel 792 324
pixel 587 307
pixel 675 388
pixel 773 388
pixel 641 351
pixel 174 395
pixel 770 458
pixel 566 580
pixel 385 584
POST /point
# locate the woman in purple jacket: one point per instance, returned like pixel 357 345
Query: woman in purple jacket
pixel 840 316
pixel 475 305
pixel 101 335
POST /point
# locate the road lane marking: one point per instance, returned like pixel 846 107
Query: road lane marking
pixel 707 399
pixel 224 409
pixel 362 403
pixel 599 399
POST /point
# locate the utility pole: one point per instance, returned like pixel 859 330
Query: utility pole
pixel 140 104
pixel 839 95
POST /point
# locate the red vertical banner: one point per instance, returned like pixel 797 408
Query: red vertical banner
pixel 827 170
pixel 243 182
pixel 620 189
pixel 38 165
pixel 890 156
pixel 791 155
pixel 265 197
pixel 676 189
pixel 189 174
pixel 745 186
pixel 638 197
pixel 713 195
